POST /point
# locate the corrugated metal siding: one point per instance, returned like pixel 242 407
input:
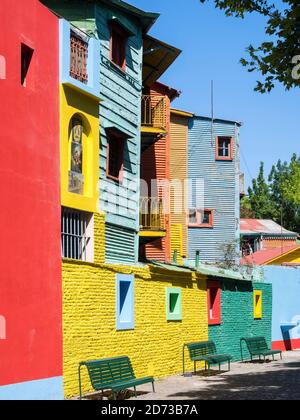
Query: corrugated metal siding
pixel 120 244
pixel 155 165
pixel 221 180
pixel 121 107
pixel 179 171
pixel 176 242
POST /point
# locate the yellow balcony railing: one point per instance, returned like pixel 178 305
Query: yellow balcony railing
pixel 151 214
pixel 154 112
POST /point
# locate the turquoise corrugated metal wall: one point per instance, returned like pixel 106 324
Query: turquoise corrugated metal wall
pixel 221 181
pixel 120 107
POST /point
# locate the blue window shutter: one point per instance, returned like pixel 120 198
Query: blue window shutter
pixel 125 302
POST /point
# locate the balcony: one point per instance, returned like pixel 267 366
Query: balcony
pixel 154 115
pixel 151 217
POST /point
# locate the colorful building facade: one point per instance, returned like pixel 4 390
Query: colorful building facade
pixel 30 292
pixel 285 306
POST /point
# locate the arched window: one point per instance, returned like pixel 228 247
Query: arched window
pixel 76 178
pixel 2 68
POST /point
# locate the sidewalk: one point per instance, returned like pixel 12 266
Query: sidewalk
pixel 279 380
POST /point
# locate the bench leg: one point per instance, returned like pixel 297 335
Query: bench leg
pixel 114 395
pixel 229 365
pixel 208 369
pixel 273 357
pixel 219 367
pixel 153 387
pixel 135 394
pixel 195 368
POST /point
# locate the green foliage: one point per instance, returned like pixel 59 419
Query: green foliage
pixel 246 209
pixel 274 58
pixel 279 197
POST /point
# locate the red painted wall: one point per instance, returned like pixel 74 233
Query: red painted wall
pixel 155 164
pixel 30 255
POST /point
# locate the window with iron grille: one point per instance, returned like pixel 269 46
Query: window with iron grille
pixel 76 235
pixel 79 58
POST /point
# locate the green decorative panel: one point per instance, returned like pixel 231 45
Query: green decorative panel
pixel 237 317
pixel 174 304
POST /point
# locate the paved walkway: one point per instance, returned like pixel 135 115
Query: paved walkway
pixel 279 380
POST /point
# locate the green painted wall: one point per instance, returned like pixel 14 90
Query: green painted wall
pixel 238 318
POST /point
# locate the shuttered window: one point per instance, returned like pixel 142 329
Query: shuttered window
pixel 118 45
pixel 76 234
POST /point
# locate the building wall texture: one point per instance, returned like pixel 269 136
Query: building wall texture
pixel 286 306
pixel 30 292
pixel 221 188
pixel 238 317
pixel 89 317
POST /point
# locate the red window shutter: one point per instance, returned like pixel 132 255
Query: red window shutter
pixel 214 303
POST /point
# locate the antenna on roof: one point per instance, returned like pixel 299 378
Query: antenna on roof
pixel 212 113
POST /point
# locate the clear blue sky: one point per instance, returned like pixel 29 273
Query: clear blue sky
pixel 212 46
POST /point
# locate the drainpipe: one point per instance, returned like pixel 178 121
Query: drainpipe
pixel 197 259
pixel 175 256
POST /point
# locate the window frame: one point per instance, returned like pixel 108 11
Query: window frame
pixel 199 223
pixel 231 149
pixel 177 314
pixel 125 325
pixel 216 318
pixel 258 306
pixel 116 135
pixel 122 33
pixel 27 53
pixel 85 221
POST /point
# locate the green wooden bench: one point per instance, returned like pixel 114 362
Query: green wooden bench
pixel 205 351
pixel 114 374
pixel 257 346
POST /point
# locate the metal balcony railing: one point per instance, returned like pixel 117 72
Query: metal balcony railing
pixel 79 59
pixel 154 111
pixel 151 214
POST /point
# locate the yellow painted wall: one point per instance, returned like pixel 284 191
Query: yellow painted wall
pixel 177 242
pixel 73 102
pixel 89 317
pixel 292 257
pixel 179 172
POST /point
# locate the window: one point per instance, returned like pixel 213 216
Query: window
pixel 125 302
pixel 76 235
pixel 224 148
pixel 118 45
pixel 214 303
pixel 201 218
pixel 2 68
pixel 2 328
pixel 79 58
pixel 76 179
pixel 257 298
pixel 174 304
pixel 115 155
pixel 26 57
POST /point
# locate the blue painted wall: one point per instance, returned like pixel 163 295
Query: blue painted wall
pixel 221 182
pixel 286 300
pixel 92 86
pixel 45 389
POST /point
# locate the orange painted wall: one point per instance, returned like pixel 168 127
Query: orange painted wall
pixel 155 164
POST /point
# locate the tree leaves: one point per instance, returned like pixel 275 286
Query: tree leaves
pixel 279 197
pixel 273 58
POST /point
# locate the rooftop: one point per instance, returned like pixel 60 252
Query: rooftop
pixel 264 227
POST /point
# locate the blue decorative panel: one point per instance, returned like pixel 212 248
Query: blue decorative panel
pixel 92 87
pixel 125 302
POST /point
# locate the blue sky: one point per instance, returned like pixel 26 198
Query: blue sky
pixel 212 46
